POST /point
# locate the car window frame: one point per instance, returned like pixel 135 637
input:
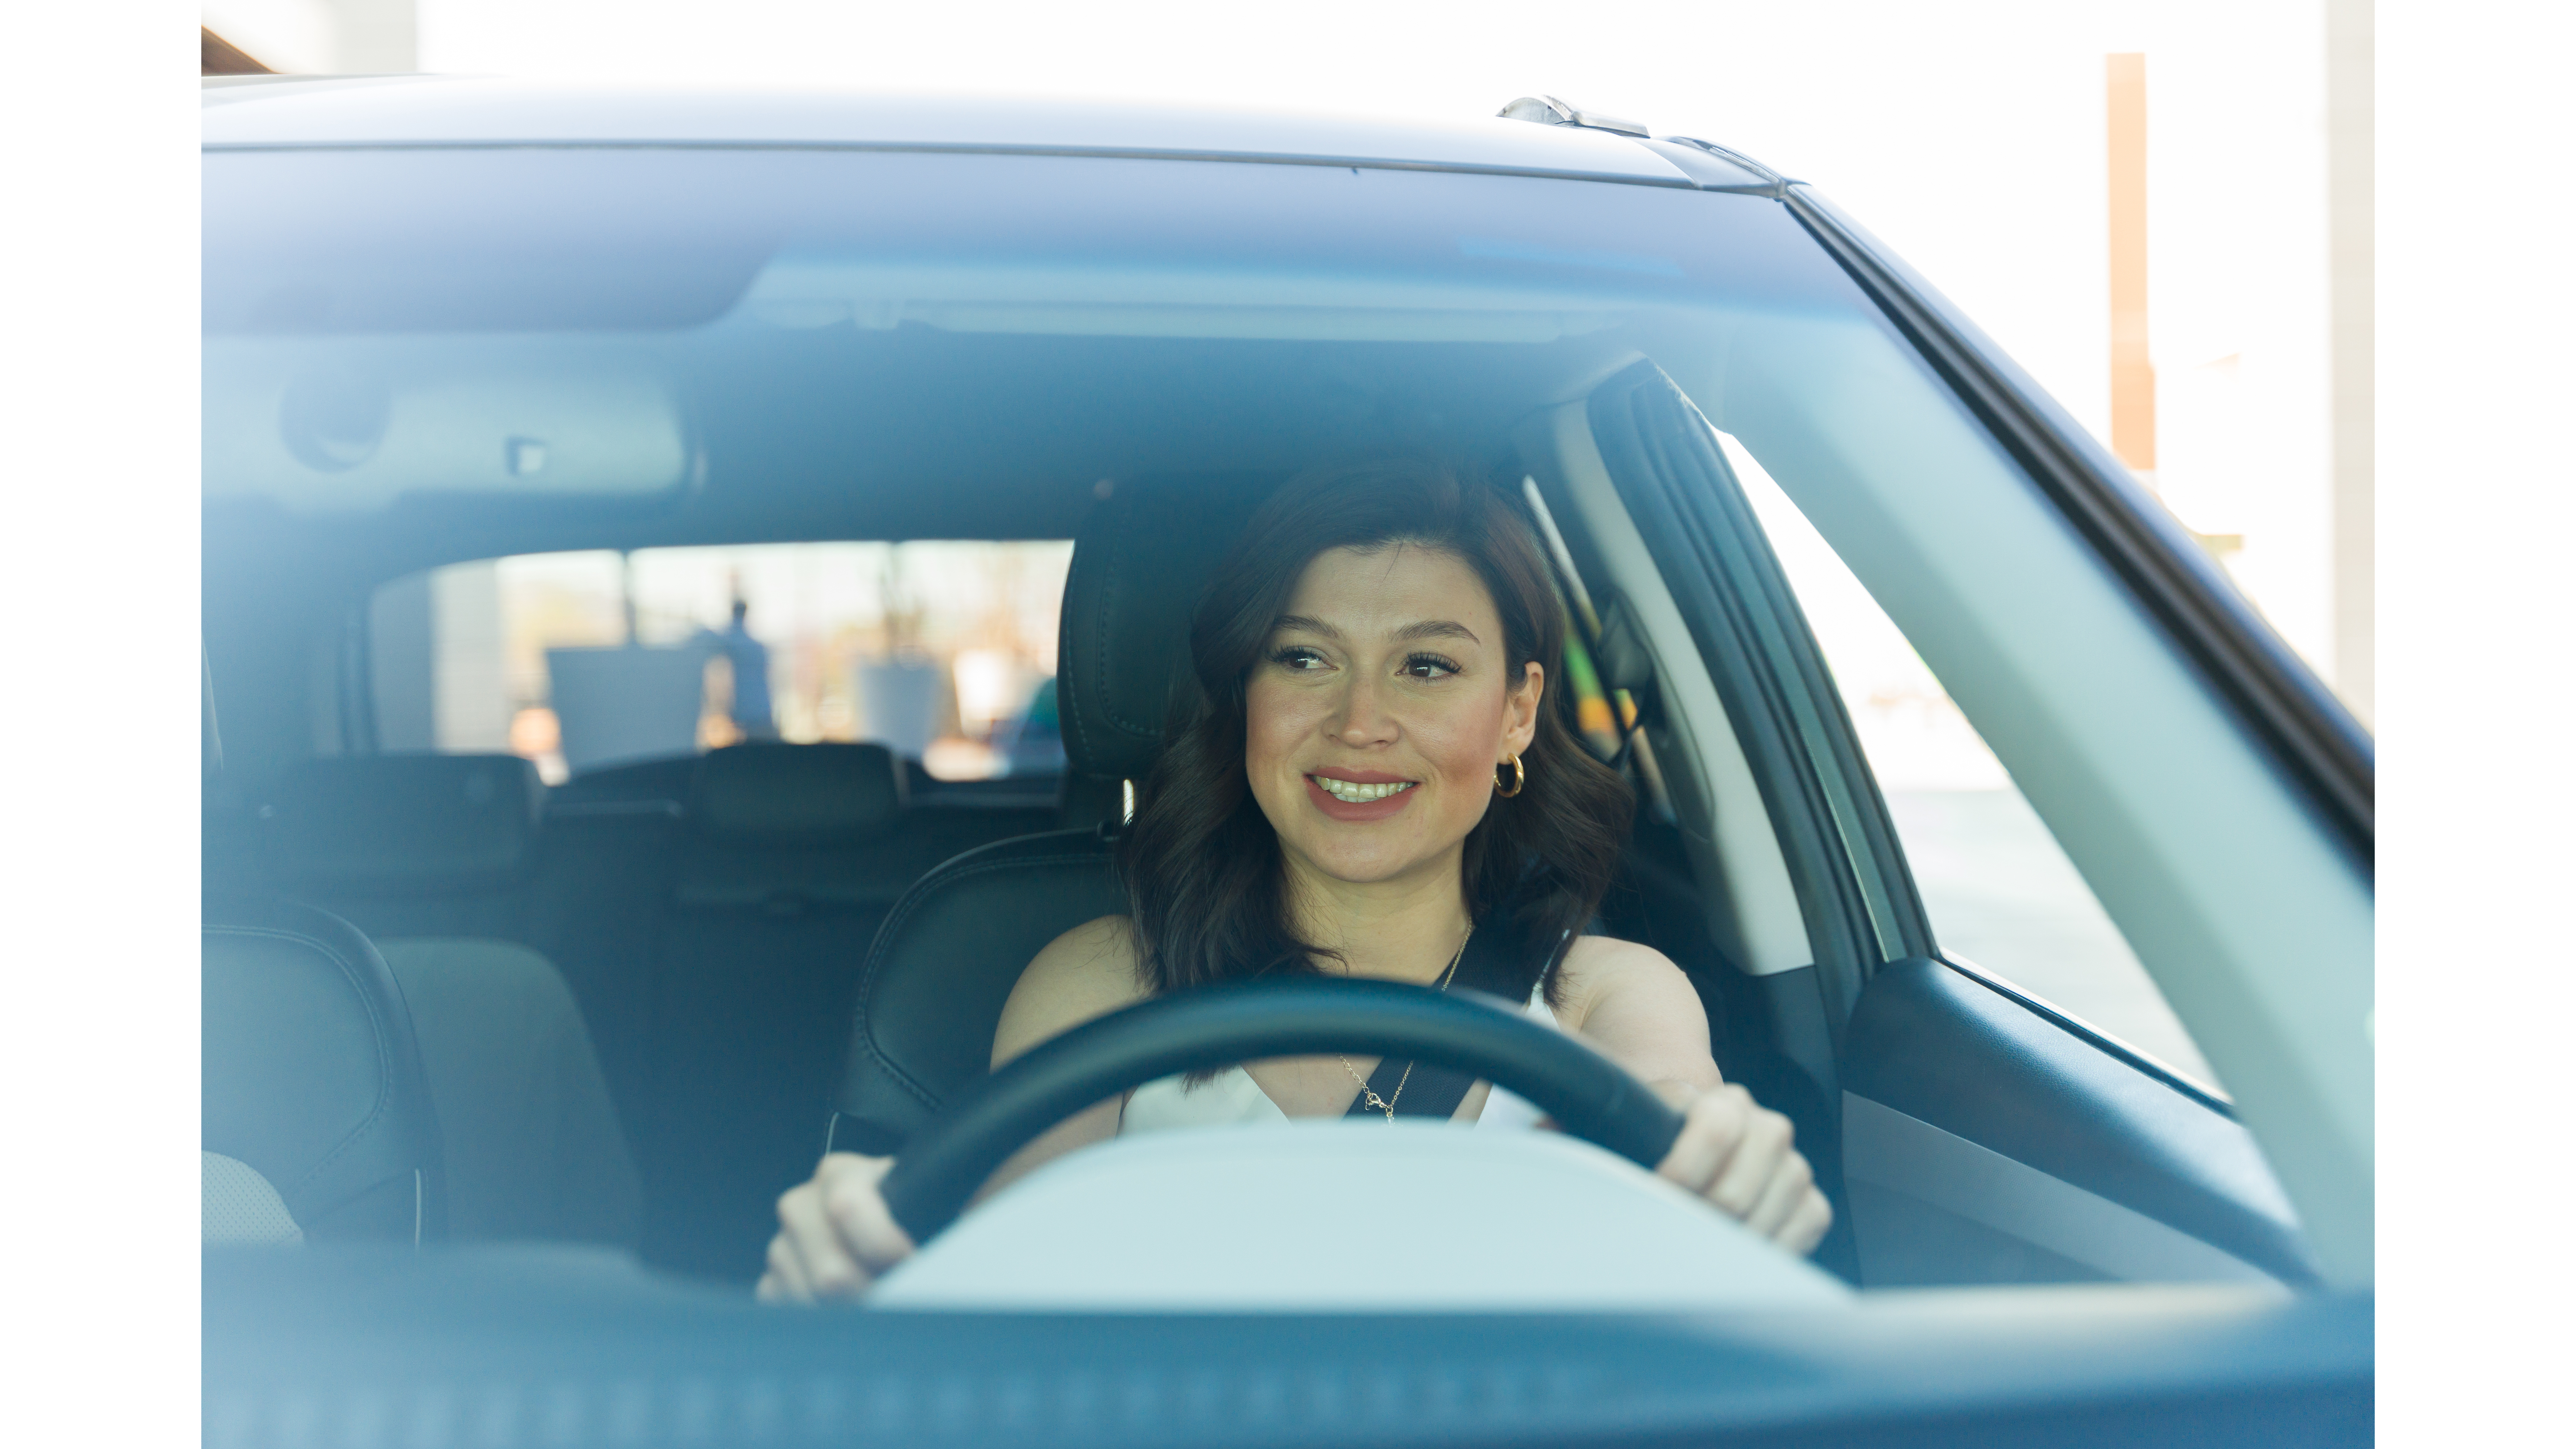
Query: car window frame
pixel 1853 883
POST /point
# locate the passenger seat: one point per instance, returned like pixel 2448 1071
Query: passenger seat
pixel 316 1123
pixel 432 855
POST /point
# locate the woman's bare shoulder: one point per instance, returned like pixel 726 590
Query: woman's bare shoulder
pixel 1631 999
pixel 1599 965
pixel 1088 971
pixel 1096 943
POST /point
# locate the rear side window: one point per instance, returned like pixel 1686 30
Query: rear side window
pixel 943 651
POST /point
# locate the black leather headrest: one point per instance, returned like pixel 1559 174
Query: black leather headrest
pixel 1140 564
pixel 823 789
pixel 395 820
pixel 311 1073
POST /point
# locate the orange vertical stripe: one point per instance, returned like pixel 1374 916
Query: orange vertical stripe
pixel 2133 378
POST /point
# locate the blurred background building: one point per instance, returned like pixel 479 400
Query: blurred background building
pixel 940 650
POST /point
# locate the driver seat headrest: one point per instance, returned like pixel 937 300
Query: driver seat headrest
pixel 1140 563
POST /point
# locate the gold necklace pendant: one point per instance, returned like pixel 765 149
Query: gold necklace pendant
pixel 1369 1094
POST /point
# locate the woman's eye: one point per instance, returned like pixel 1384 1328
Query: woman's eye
pixel 1298 657
pixel 1430 666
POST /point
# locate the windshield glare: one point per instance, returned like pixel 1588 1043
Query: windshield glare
pixel 733 345
pixel 547 323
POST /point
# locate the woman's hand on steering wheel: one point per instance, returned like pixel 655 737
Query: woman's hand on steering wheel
pixel 835 1236
pixel 1739 1156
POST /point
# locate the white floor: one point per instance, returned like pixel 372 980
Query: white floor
pixel 2004 896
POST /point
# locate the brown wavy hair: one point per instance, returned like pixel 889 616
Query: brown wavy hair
pixel 1201 864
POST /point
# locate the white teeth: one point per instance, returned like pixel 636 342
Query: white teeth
pixel 1351 792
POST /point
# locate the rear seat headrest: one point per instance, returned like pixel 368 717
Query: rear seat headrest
pixel 771 789
pixel 378 820
pixel 1140 564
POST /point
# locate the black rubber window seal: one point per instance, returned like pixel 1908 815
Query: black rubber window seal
pixel 2138 1057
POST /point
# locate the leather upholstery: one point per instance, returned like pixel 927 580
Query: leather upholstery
pixel 311 1076
pixel 942 966
pixel 819 789
pixel 790 858
pixel 533 1146
pixel 642 787
pixel 954 946
pixel 416 822
pixel 1141 561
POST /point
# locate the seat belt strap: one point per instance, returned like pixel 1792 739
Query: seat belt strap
pixel 1487 966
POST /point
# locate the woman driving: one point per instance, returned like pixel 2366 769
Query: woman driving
pixel 1362 779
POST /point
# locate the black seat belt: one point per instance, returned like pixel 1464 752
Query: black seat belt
pixel 1489 965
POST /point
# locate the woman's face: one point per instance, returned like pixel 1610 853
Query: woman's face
pixel 1378 710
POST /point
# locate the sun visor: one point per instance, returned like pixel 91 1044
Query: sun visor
pixel 326 425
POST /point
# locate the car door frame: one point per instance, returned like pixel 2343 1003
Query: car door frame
pixel 2093 1162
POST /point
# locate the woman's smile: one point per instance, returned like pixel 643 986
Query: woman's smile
pixel 1357 796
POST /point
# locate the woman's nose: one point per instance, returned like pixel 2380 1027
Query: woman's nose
pixel 1363 718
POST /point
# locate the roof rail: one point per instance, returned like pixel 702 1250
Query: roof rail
pixel 1549 111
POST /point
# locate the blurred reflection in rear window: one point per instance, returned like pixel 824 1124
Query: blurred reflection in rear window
pixel 944 651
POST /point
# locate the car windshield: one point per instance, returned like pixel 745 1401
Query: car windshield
pixel 571 325
pixel 594 476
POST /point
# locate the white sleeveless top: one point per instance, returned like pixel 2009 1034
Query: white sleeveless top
pixel 1232 1098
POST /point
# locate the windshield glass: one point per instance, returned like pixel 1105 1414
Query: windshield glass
pixel 507 449
pixel 569 323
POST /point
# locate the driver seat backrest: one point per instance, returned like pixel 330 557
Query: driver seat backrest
pixel 932 989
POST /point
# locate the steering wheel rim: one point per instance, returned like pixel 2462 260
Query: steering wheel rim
pixel 1210 1028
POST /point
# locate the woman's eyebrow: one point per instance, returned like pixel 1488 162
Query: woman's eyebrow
pixel 1410 633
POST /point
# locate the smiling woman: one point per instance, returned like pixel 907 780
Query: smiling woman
pixel 1384 624
pixel 1364 775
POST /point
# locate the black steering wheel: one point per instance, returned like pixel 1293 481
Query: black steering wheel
pixel 1219 1026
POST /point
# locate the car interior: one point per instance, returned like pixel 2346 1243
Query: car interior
pixel 700 970
pixel 632 1007
pixel 529 985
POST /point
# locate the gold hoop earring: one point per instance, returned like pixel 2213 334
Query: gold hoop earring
pixel 1520 777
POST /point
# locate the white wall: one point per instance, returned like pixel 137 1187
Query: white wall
pixel 473 690
pixel 345 37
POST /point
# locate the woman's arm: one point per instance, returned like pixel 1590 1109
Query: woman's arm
pixel 1089 971
pixel 834 1232
pixel 1637 1008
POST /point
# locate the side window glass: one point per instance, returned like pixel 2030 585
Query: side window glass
pixel 2002 895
